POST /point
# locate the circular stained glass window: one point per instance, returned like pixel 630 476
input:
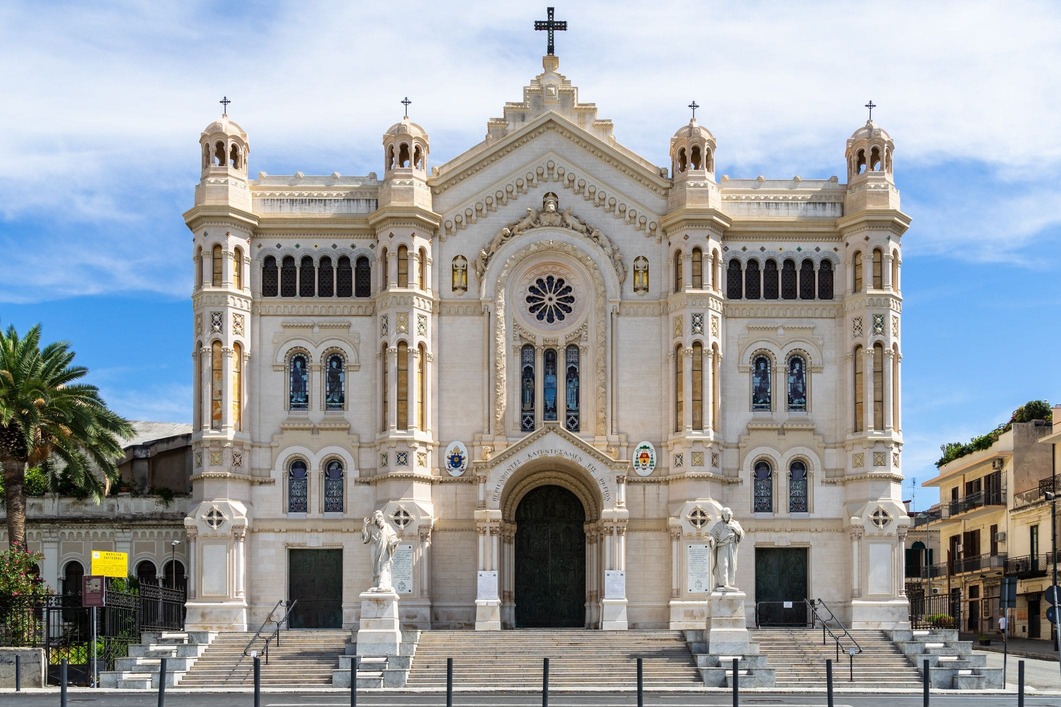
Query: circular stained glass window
pixel 550 299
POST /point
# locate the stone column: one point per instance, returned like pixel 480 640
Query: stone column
pixel 487 596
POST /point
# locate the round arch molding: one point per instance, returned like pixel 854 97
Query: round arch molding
pixel 551 473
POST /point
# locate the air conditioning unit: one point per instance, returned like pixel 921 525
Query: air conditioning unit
pixel 997 464
pixel 935 590
pixel 1000 536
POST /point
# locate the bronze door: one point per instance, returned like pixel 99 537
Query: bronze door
pixel 315 580
pixel 781 586
pixel 550 579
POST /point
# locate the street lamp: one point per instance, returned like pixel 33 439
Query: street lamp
pixel 1052 497
pixel 173 564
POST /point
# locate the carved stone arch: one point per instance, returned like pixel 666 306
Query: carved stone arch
pixel 551 472
pixel 348 350
pixel 761 350
pixel 283 352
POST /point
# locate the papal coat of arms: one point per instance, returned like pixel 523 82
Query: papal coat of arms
pixel 456 458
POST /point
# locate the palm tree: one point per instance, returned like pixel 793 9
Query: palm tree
pixel 44 415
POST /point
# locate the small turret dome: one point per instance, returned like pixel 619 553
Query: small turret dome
pixel 692 149
pixel 869 149
pixel 686 132
pixel 406 127
pixel 225 145
pixel 405 147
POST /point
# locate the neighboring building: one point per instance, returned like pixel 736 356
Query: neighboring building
pixel 994 521
pixel 478 348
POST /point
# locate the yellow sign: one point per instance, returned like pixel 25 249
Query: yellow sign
pixel 110 564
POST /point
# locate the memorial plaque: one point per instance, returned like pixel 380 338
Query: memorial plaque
pixel 698 568
pixel 402 569
pixel 614 584
pixel 487 585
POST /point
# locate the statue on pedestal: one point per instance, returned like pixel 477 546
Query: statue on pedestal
pixel 384 542
pixel 724 537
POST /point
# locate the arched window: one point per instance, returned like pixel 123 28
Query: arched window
pixel 797 487
pixel 403 386
pixel 421 389
pixel 698 269
pixel 174 575
pixel 216 383
pixel 752 283
pixel 571 389
pixel 297 487
pixel 73 573
pixel 343 278
pixel 716 385
pixel 421 269
pixel 333 487
pixel 385 274
pixel 549 365
pixel 788 279
pixel 764 487
pixel 270 277
pixel 233 157
pixel 895 388
pixel 335 383
pixel 856 272
pixel 146 572
pixel 679 389
pixel 526 388
pixel 198 267
pixel 895 270
pixel 678 271
pixel 878 269
pixel 770 276
pixel 734 279
pixel 307 278
pixel 237 387
pixel 859 411
pixel 363 278
pixel 403 266
pixel 806 279
pixel 298 382
pixel 325 278
pixel 219 154
pixel 198 358
pixel 878 386
pixel 217 266
pixel 288 277
pixel 761 384
pixel 698 386
pixel 825 280
pixel 237 268
pixel 716 271
pixel 797 384
pixel 385 392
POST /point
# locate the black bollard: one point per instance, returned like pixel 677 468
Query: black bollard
pixel 18 673
pixel 926 674
pixel 736 684
pixel 545 682
pixel 829 681
pixel 62 683
pixel 640 682
pixel 162 682
pixel 354 665
pixel 449 682
pixel 257 681
pixel 1020 683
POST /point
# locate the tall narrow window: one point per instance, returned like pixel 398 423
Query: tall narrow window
pixel 751 280
pixel 734 280
pixel 797 487
pixel 698 269
pixel 761 384
pixel 343 278
pixel 217 263
pixel 679 389
pixel 806 279
pixel 764 487
pixel 878 387
pixel 237 268
pixel 298 383
pixel 403 386
pixel 288 277
pixel 571 389
pixel 403 266
pixel 698 386
pixel 716 271
pixel 237 387
pixel 549 385
pixel 878 269
pixel 895 270
pixel 859 410
pixel 270 277
pixel 526 389
pixel 385 392
pixel 307 278
pixel 716 386
pixel 335 383
pixel 421 387
pixel 297 487
pixel 788 279
pixel 216 383
pixel 325 278
pixel 385 273
pixel 770 290
pixel 333 487
pixel 825 280
pixel 198 267
pixel 421 270
pixel 856 272
pixel 678 271
pixel 797 384
pixel 895 389
pixel 198 358
pixel 362 278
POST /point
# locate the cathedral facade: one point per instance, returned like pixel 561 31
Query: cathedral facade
pixel 551 364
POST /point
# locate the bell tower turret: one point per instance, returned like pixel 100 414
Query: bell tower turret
pixel 224 150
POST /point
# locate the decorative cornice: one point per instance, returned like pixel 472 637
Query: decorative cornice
pixel 777 308
pixel 314 308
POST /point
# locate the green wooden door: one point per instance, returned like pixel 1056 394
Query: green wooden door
pixel 315 580
pixel 550 579
pixel 781 586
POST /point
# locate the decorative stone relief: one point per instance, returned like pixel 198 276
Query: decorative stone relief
pixel 217 321
pixel 880 458
pixel 237 460
pixel 214 517
pixel 881 518
pixel 714 460
pixel 383 325
pixel 459 275
pixel 895 326
pixel 895 459
pixel 679 460
pixel 856 327
pixel 858 460
pixel 421 459
pixel 238 324
pixel 401 324
pixel 383 460
pixel 198 323
pixel 421 325
pixel 640 275
pixel 401 459
pixel 878 323
pixel 714 326
pixel 198 460
pixel 698 459
pixel 215 458
pixel 678 326
pixel 698 322
pixel 698 517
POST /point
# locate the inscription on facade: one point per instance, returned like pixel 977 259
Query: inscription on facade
pixel 402 569
pixel 600 475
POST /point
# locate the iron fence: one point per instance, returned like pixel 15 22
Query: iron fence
pixel 933 610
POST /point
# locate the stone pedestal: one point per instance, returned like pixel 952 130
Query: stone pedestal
pixel 487 614
pixel 727 626
pixel 379 634
pixel 613 615
pixel 687 615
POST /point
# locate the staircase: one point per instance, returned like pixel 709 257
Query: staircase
pixel 577 658
pixel 303 658
pixel 798 659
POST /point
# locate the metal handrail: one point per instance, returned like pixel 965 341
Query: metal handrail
pixel 276 631
pixel 813 605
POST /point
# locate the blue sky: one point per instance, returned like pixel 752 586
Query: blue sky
pixel 103 105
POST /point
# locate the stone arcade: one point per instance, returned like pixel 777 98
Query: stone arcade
pixel 478 348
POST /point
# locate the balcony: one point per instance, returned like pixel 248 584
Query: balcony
pixel 976 563
pixel 1031 566
pixel 979 499
pixel 1035 495
pixel 926 517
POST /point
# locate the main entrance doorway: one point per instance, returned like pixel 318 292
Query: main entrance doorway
pixel 550 581
pixel 315 580
pixel 780 586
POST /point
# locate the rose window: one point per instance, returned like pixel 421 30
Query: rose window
pixel 550 299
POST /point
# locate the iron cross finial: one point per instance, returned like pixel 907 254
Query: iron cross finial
pixel 224 103
pixel 406 102
pixel 871 105
pixel 551 25
pixel 694 107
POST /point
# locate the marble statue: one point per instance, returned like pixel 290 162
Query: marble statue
pixel 384 541
pixel 724 537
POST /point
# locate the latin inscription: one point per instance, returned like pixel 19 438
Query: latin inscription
pixel 600 475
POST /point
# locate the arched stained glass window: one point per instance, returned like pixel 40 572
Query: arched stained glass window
pixel 797 487
pixel 859 401
pixel 384 396
pixel 421 389
pixel 325 278
pixel 298 383
pixel 403 386
pixel 734 280
pixel 335 383
pixel 878 269
pixel 270 277
pixel 825 280
pixel 421 269
pixel 770 276
pixel 761 384
pixel 403 266
pixel 679 389
pixel 764 487
pixel 297 487
pixel 237 387
pixel 526 393
pixel 678 271
pixel 288 277
pixel 878 386
pixel 307 278
pixel 752 282
pixel 344 278
pixel 237 268
pixel 856 272
pixel 333 487
pixel 698 386
pixel 198 267
pixel 698 269
pixel 217 263
pixel 788 279
pixel 363 278
pixel 797 384
pixel 571 389
pixel 549 385
pixel 217 391
pixel 806 279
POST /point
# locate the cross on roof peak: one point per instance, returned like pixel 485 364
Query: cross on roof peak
pixel 871 105
pixel 406 102
pixel 694 106
pixel 224 103
pixel 550 25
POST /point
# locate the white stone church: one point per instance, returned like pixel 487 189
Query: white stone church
pixel 550 363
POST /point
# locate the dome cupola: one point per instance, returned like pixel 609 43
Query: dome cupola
pixel 692 150
pixel 405 147
pixel 869 150
pixel 224 145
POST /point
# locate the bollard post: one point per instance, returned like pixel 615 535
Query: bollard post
pixel 18 673
pixel 62 683
pixel 851 665
pixel 927 669
pixel 736 684
pixel 545 682
pixel 449 682
pixel 257 681
pixel 829 681
pixel 162 682
pixel 1020 683
pixel 354 665
pixel 640 683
